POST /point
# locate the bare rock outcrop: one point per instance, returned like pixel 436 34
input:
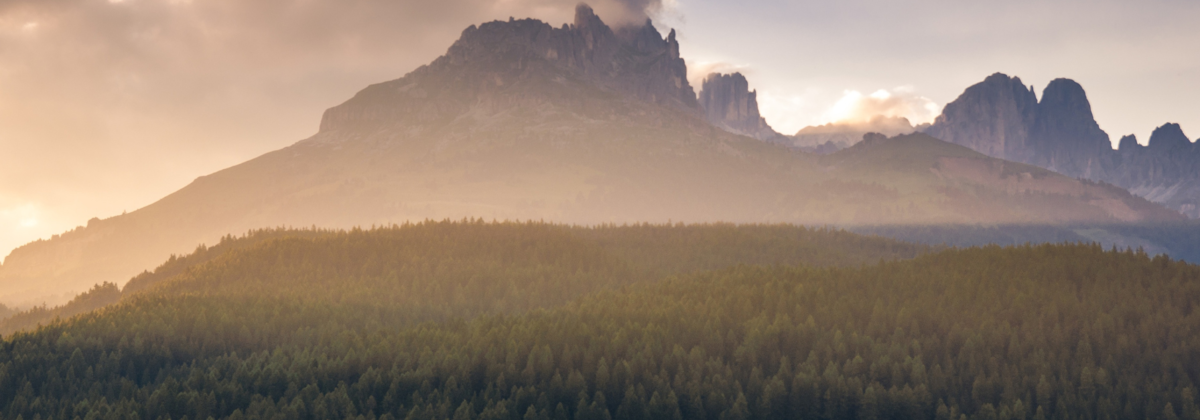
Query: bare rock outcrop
pixel 729 104
pixel 993 117
pixel 1065 137
pixel 1166 171
pixel 1001 118
pixel 491 62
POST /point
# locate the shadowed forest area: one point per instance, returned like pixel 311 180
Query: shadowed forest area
pixel 472 320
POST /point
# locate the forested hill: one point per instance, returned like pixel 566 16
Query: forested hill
pixel 435 270
pixel 319 328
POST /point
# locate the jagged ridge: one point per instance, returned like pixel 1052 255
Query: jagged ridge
pixel 729 104
pixel 492 61
pixel 1002 118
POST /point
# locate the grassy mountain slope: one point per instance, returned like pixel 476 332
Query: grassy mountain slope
pixel 321 328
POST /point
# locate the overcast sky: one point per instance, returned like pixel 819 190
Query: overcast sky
pixel 109 105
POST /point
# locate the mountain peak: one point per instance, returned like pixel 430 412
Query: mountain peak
pixel 1065 119
pixel 1065 137
pixel 585 16
pixel 499 63
pixel 993 117
pixel 1128 143
pixel 1068 95
pixel 1001 78
pixel 729 104
pixel 1168 137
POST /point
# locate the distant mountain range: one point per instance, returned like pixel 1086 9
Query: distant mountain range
pixel 581 123
pixel 835 136
pixel 1001 117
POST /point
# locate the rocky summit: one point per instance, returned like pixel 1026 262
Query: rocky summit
pixel 1165 171
pixel 993 117
pixel 1002 118
pixel 503 65
pixel 1065 136
pixel 729 104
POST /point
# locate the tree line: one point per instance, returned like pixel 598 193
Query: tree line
pixel 335 327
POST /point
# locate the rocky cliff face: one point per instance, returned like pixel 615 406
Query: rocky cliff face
pixel 1166 171
pixel 1169 138
pixel 491 62
pixel 1000 118
pixel 1128 144
pixel 993 117
pixel 729 103
pixel 1065 137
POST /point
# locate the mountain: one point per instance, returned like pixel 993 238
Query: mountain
pixel 993 117
pixel 1002 118
pixel 581 123
pixel 839 135
pixel 1166 171
pixel 1065 138
pixel 729 104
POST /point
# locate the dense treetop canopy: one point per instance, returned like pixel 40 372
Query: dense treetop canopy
pixel 535 321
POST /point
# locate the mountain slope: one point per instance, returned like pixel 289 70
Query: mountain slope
pixel 954 184
pixel 521 120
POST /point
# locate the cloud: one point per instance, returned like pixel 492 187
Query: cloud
pixel 699 70
pixel 854 106
pixel 18 220
pixel 19 216
pixel 634 11
pixel 788 112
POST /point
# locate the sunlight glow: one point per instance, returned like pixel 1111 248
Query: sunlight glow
pixel 23 216
pixel 854 106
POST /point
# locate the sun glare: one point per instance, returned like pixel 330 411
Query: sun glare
pixel 855 107
pixel 846 107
